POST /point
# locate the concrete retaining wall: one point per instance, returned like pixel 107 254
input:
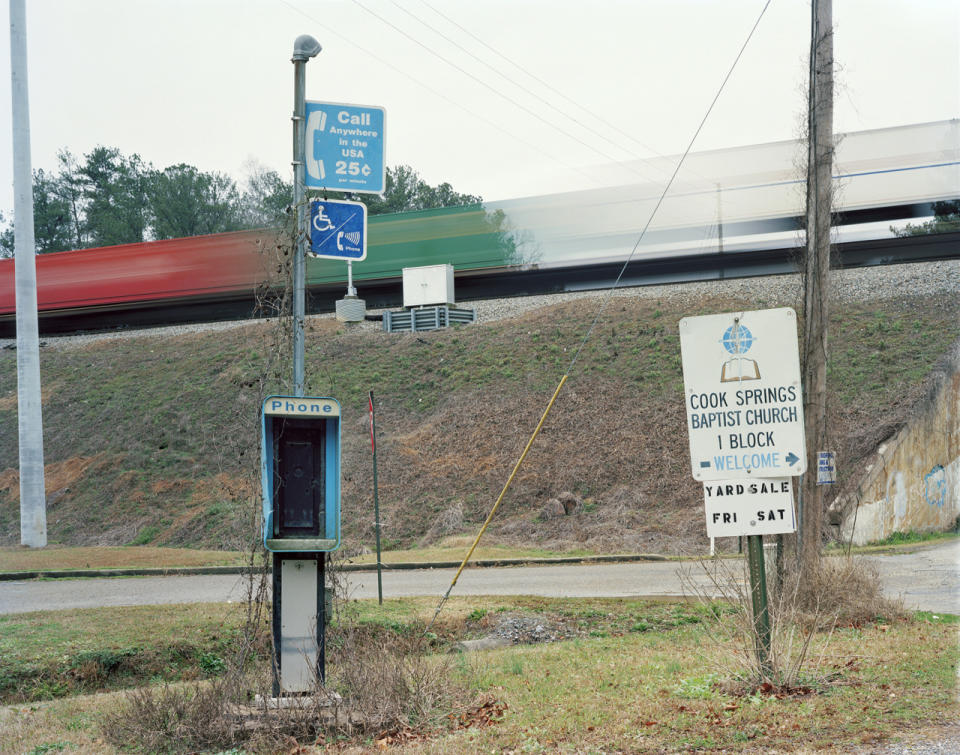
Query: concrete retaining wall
pixel 912 482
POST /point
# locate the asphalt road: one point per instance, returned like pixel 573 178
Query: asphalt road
pixel 925 579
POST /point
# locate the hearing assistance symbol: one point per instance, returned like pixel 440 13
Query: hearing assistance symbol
pixel 737 340
pixel 338 230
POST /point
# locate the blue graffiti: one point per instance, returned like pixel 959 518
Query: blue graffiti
pixel 935 486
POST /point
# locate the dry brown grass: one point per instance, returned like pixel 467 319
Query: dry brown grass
pixel 454 410
pixel 638 483
pixel 56 557
pixel 842 592
pixel 639 678
pixel 390 681
pixel 180 718
pixel 8 402
pixel 379 683
pixel 57 476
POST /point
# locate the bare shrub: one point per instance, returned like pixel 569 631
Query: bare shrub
pixel 389 680
pixel 180 718
pixel 735 630
pixel 842 591
pixel 449 521
pixel 846 591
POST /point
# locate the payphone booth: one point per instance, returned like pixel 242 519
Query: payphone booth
pixel 300 469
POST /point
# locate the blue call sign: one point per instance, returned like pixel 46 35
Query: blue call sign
pixel 344 147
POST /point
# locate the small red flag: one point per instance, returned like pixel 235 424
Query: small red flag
pixel 373 441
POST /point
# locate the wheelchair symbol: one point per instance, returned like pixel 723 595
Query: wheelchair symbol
pixel 321 218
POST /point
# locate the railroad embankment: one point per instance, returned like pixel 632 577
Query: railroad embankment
pixel 152 438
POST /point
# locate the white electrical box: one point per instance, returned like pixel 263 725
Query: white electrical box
pixel 427 286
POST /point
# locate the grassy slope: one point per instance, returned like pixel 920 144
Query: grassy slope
pixel 154 440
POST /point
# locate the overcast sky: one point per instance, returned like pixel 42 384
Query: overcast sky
pixel 210 83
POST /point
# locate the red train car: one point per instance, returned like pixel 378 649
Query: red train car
pixel 78 287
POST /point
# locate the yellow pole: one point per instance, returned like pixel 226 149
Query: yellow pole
pixel 500 497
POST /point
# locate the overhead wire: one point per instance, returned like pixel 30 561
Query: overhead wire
pixel 441 95
pixel 609 124
pixel 597 316
pixel 521 86
pixel 666 189
pixel 490 87
pixel 478 116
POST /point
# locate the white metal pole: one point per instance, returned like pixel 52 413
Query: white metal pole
pixel 33 503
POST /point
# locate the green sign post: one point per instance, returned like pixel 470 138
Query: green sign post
pixel 741 376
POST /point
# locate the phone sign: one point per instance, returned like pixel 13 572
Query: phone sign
pixel 338 230
pixel 344 147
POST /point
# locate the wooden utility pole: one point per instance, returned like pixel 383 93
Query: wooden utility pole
pixel 816 276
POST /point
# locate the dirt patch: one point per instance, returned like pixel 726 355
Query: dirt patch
pixel 58 476
pixel 163 487
pixel 10 484
pixel 8 402
pixel 933 739
pixel 224 487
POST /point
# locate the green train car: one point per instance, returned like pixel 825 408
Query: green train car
pixel 469 238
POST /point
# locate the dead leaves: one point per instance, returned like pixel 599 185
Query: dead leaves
pixel 485 713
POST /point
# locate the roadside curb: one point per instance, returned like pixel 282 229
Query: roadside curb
pixel 174 571
pixel 182 571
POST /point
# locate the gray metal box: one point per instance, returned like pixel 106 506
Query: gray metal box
pixel 428 285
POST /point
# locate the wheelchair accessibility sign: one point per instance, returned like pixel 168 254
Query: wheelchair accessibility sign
pixel 338 230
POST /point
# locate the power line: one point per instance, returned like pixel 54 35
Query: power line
pixel 500 94
pixel 553 89
pixel 485 85
pixel 520 86
pixel 666 188
pixel 440 94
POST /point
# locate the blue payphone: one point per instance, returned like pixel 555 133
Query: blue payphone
pixel 300 469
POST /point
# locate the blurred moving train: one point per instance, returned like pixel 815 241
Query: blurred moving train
pixel 736 212
pixel 221 276
pixel 224 276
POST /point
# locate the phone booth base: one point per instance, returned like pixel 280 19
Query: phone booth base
pixel 299 614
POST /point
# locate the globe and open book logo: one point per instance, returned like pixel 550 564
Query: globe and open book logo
pixel 737 340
